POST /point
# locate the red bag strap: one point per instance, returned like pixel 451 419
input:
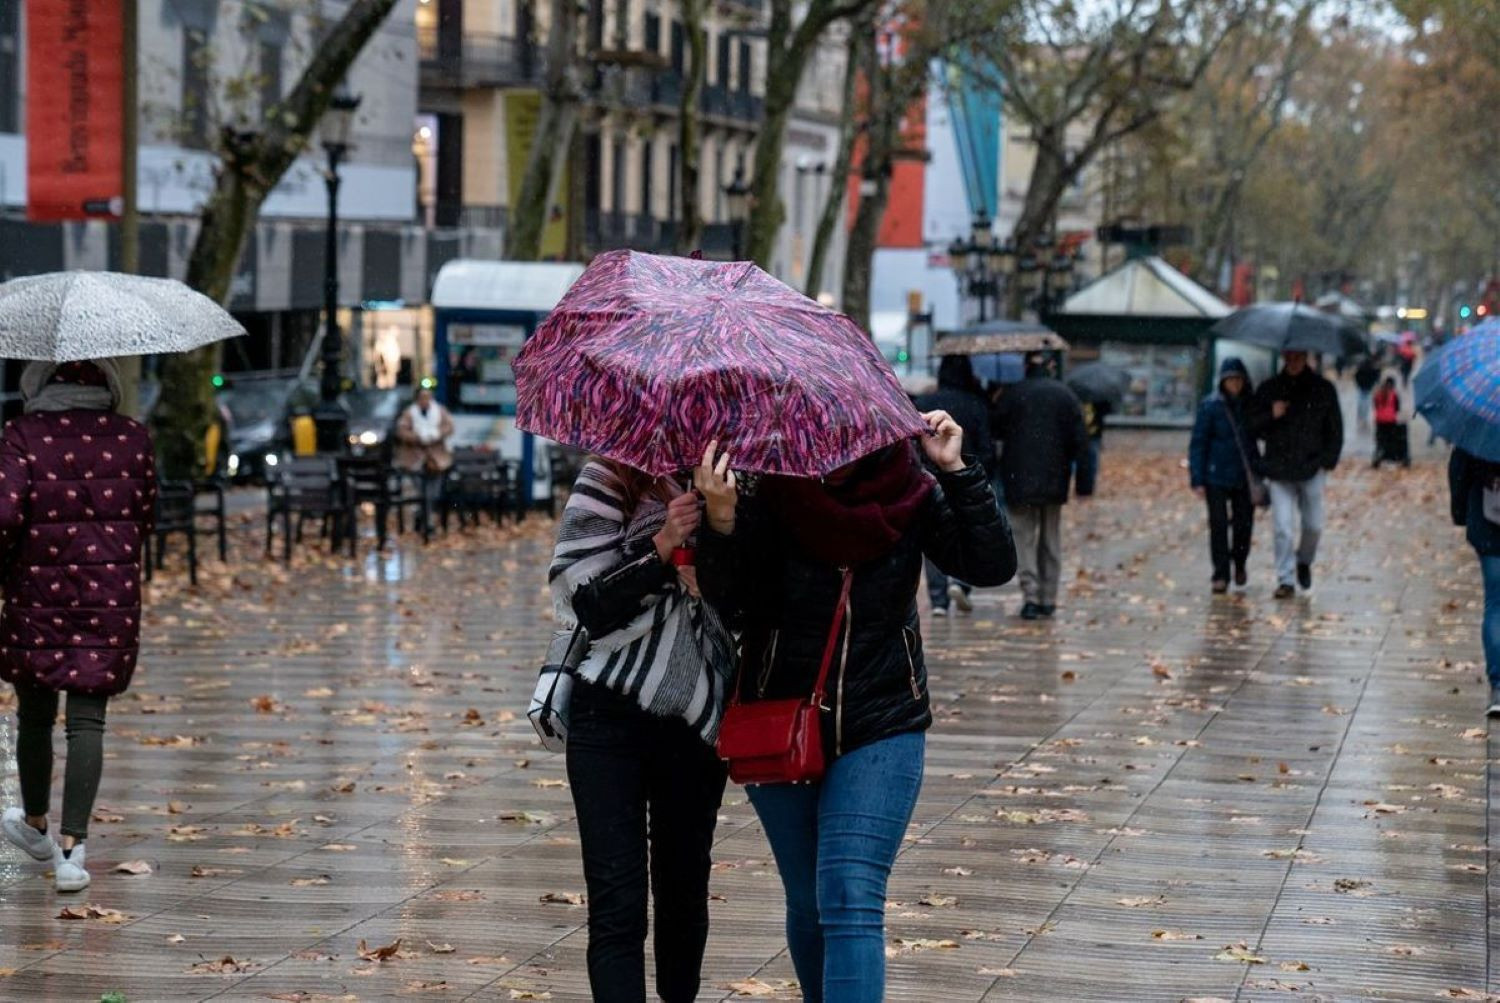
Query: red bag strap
pixel 833 638
pixel 833 641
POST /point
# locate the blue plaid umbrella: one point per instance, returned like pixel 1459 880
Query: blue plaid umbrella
pixel 1458 391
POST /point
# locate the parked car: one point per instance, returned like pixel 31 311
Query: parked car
pixel 372 417
pixel 257 408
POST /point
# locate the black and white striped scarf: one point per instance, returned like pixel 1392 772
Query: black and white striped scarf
pixel 676 658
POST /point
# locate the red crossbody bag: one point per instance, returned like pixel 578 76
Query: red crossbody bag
pixel 781 741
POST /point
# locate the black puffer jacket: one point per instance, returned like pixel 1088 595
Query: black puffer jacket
pixel 784 601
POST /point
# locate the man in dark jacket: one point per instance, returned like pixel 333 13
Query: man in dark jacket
pixel 1222 458
pixel 1040 423
pixel 960 394
pixel 1475 497
pixel 1296 413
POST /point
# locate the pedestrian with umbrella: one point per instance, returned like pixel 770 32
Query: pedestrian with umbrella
pixel 1296 414
pixel 646 361
pixel 823 575
pixel 77 503
pixel 1100 388
pixel 1458 392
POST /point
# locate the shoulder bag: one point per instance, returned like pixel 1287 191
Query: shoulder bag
pixel 554 692
pixel 1490 498
pixel 781 741
pixel 1260 495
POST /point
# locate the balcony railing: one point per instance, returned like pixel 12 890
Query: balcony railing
pixel 488 60
pixel 475 59
pixel 610 231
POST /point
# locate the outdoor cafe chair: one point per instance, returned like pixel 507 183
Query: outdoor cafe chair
pixel 209 506
pixel 176 514
pixel 307 487
pixel 373 480
pixel 478 482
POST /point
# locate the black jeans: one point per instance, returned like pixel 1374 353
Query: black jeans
pixel 36 713
pixel 637 778
pixel 1229 509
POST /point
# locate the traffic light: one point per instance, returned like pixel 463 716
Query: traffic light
pixel 218 380
pixel 1465 312
pixel 1481 310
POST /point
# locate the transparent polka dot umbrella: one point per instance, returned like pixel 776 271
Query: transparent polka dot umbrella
pixel 71 316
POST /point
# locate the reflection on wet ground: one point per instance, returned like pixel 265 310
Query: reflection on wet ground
pixel 1158 796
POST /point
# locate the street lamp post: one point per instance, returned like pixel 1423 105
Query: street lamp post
pixel 737 194
pixel 983 267
pixel 331 418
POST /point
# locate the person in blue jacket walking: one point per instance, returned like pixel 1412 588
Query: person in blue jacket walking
pixel 1221 458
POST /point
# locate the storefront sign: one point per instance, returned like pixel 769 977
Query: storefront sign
pixel 73 109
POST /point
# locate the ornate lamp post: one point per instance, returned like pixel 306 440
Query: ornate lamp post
pixel 981 266
pixel 331 417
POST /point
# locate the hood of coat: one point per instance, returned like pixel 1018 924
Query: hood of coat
pixel 1234 367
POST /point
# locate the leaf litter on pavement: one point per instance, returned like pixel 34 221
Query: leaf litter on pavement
pixel 1153 725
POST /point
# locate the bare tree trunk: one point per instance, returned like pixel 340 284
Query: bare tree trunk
pixel 789 47
pixel 766 210
pixel 838 190
pixel 883 116
pixel 1050 177
pixel 554 136
pixel 689 143
pixel 250 166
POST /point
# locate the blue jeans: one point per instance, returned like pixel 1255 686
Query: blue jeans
pixel 835 843
pixel 1489 567
pixel 1290 499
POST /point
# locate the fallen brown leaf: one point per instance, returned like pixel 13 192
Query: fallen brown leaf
pixel 379 953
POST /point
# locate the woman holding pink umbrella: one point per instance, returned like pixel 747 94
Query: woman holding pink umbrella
pixel 801 554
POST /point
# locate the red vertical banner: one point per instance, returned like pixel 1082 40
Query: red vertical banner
pixel 74 113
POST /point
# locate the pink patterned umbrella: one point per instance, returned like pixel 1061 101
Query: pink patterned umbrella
pixel 647 359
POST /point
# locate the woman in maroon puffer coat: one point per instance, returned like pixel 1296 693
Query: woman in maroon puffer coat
pixel 77 498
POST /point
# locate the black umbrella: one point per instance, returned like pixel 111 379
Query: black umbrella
pixel 1100 382
pixel 1292 327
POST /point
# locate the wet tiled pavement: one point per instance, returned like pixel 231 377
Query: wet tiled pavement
pixel 1158 796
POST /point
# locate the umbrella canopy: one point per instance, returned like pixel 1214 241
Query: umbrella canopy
pixel 1100 382
pixel 1458 391
pixel 999 336
pixel 1292 327
pixel 647 359
pixel 71 316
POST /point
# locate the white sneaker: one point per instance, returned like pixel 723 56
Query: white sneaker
pixel 67 869
pixel 960 599
pixel 38 845
pixel 940 611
